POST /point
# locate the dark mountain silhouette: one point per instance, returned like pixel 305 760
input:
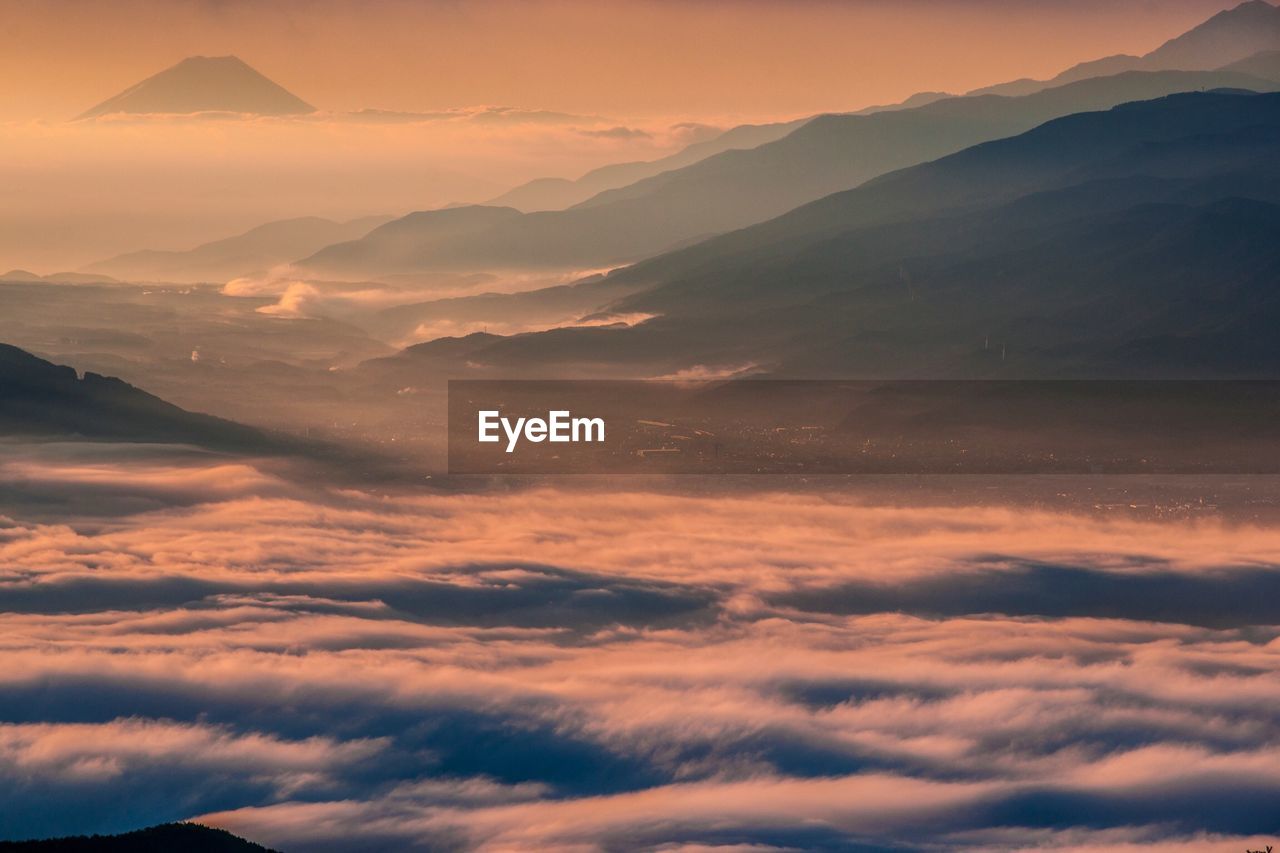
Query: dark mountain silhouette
pixel 204 84
pixel 736 188
pixel 1226 38
pixel 1140 241
pixel 254 251
pixel 166 838
pixel 42 399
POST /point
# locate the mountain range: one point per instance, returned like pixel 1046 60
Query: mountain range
pixel 733 189
pixel 626 212
pixel 256 250
pixel 1123 224
pixel 1143 240
pixel 203 84
pixel 1237 39
pixel 1228 37
pixel 559 193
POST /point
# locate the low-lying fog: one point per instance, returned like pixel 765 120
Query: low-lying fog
pixel 324 669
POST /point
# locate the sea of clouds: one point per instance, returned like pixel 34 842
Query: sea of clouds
pixel 323 669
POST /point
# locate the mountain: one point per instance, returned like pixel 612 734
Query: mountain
pixel 541 308
pixel 1140 241
pixel 256 250
pixel 56 278
pixel 1265 65
pixel 166 838
pixel 408 244
pixel 736 188
pixel 42 399
pixel 559 193
pixel 919 99
pixel 204 84
pixel 1224 39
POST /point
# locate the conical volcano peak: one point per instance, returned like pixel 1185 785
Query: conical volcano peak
pixel 204 84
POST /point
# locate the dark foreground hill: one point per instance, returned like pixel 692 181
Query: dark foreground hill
pixel 166 838
pixel 44 400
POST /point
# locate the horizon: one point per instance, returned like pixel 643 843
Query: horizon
pixel 344 56
pixel 92 188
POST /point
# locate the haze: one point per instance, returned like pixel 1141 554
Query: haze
pixel 641 80
pixel 748 57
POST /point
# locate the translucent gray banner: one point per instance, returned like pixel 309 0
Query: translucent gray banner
pixel 863 427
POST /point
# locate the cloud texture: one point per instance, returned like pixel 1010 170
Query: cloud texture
pixel 325 670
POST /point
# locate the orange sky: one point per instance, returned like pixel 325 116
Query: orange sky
pixel 620 57
pixel 82 192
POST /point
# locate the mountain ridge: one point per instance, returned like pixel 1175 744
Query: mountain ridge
pixel 41 399
pixel 1228 37
pixel 256 250
pixel 737 188
pixel 1144 238
pixel 165 838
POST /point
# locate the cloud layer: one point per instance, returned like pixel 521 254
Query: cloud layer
pixel 580 670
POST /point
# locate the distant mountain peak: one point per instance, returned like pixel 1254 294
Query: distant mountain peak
pixel 204 84
pixel 1229 36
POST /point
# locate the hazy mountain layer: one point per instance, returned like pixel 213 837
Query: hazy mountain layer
pixel 408 244
pixel 204 84
pixel 1265 65
pixel 1226 38
pixel 559 193
pixel 55 278
pixel 1142 240
pixel 735 188
pixel 256 250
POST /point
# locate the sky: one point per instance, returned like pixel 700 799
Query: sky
pixel 628 80
pixel 744 58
